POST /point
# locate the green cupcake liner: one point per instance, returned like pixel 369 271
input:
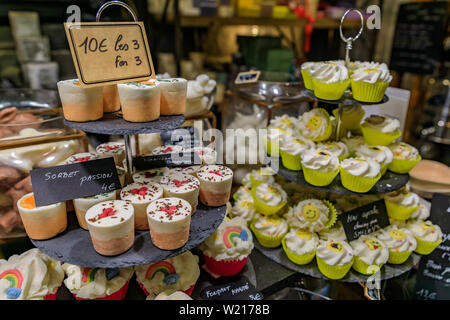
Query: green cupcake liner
pixel 307 80
pixel 377 138
pixel 398 257
pixel 426 247
pixel 333 272
pixel 357 184
pixel 330 91
pixel 264 240
pixel 318 178
pixel 291 161
pixel 363 268
pixel 398 212
pixel 296 258
pixel 368 92
pixel 403 165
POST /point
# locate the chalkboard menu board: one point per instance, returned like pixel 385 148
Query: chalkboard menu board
pixel 418 37
pixel 433 276
pixel 241 289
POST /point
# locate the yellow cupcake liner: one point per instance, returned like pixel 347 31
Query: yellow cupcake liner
pixel 332 217
pixel 398 212
pixel 398 257
pixel 368 92
pixel 377 138
pixel 290 161
pixel 333 272
pixel 363 268
pixel 275 145
pixel 307 80
pixel 403 165
pixel 383 168
pixel 357 184
pixel 295 258
pixel 265 209
pixel 265 240
pixel 426 247
pixel 351 120
pixel 330 91
pixel 318 178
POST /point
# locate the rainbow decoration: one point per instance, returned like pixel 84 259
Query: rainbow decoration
pixel 15 278
pixel 231 234
pixel 163 266
pixel 89 275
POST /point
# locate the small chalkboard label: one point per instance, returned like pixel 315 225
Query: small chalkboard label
pixel 239 290
pixel 170 160
pixel 433 276
pixel 247 77
pixel 72 181
pixel 365 220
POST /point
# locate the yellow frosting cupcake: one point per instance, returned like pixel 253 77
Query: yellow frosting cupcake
pixel 401 204
pixel 291 150
pixel 369 84
pixel 330 81
pixel 319 166
pixel 380 154
pixel 269 198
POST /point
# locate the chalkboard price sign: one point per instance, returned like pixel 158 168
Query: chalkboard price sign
pixel 365 220
pixel 433 276
pixel 72 181
pixel 239 290
pixel 418 37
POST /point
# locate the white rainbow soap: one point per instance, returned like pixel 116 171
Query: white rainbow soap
pixel 111 226
pixel 182 186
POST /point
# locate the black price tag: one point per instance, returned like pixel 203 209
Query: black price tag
pixel 239 290
pixel 365 220
pixel 72 181
pixel 170 160
pixel 433 276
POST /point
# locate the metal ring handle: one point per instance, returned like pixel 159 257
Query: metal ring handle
pixel 351 39
pixel 111 3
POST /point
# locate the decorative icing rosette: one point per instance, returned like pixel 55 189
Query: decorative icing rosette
pixel 380 154
pixel 244 208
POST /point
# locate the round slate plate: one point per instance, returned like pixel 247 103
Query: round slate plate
pixel 347 99
pixel 113 123
pixel 389 182
pixel 387 272
pixel 75 246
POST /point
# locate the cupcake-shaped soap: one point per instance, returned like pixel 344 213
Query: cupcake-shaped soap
pixel 279 127
pixel 169 220
pixel 269 198
pixel 173 96
pixel 243 192
pixel 315 125
pixel 82 205
pixel 336 148
pixel 262 175
pixel 300 245
pixel 140 195
pixel 308 69
pixel 215 184
pixel 405 157
pixel 207 155
pixel 111 100
pixel 150 175
pixel 30 276
pixel 330 81
pixel 320 167
pixel 112 149
pixel 182 186
pixel 369 84
pixel 244 208
pixel 359 174
pixel 312 215
pixel 427 234
pixel 227 249
pixel 140 101
pixel 380 131
pixel 177 273
pixel 400 205
pixel 291 150
pixel 370 254
pixel 381 154
pixel 334 258
pixel 269 230
pixel 97 283
pixel 336 232
pixel 399 241
pixel 111 226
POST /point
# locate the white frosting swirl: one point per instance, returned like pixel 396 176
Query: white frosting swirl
pixel 264 175
pixel 301 242
pixel 243 193
pixel 396 239
pixel 335 253
pixel 407 199
pixel 380 154
pixel 296 145
pixel 382 124
pixel 320 159
pixel 372 75
pixel 314 123
pixel 311 215
pixel 404 151
pixel 425 230
pixel 336 232
pixel 338 148
pixel 330 73
pixel 353 143
pixel 361 167
pixel 271 194
pixel 271 226
pixel 422 212
pixel 244 208
pixel 284 122
pixel 370 250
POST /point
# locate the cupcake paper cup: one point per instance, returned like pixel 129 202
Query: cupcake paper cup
pixel 398 257
pixel 357 184
pixel 383 168
pixel 317 178
pixel 363 268
pixel 398 212
pixel 266 241
pixel 403 165
pixel 377 138
pixel 332 218
pixel 265 209
pixel 333 272
pixel 426 247
pixel 272 144
pixel 368 92
pixel 51 296
pixel 290 161
pixel 330 91
pixel 307 80
pixel 298 259
pixel 118 295
pixel 225 268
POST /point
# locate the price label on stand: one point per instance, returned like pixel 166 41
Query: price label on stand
pixel 433 276
pixel 239 290
pixel 72 181
pixel 247 77
pixel 364 220
pixel 108 53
